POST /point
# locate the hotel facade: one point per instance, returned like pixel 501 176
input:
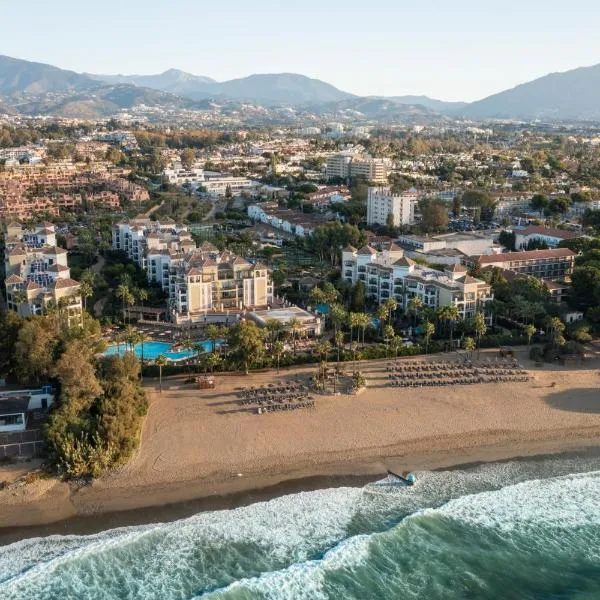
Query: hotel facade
pixel 197 280
pixel 389 274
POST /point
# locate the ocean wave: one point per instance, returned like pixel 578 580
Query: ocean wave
pixel 316 544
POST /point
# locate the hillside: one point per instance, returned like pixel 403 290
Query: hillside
pixel 22 76
pixel 173 80
pixel 430 103
pixel 569 95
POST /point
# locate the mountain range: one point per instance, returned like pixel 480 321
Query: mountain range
pixel 36 88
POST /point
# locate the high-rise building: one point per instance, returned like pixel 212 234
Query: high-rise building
pixel 348 164
pixel 381 202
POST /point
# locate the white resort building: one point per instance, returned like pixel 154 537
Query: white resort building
pixel 389 274
pixel 37 273
pixel 197 281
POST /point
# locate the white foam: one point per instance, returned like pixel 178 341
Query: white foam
pixel 563 502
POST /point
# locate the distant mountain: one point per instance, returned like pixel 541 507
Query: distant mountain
pixel 569 95
pixel 100 102
pixel 379 109
pixel 173 80
pixel 281 88
pixel 430 103
pixel 22 76
pixel 271 89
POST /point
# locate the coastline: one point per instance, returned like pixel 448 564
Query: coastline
pixel 149 507
pixel 200 450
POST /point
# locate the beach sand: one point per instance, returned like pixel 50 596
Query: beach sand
pixel 202 444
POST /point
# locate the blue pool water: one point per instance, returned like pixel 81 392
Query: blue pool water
pixel 153 350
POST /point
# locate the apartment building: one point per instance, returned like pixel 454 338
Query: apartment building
pixel 197 280
pixel 552 264
pixel 389 274
pixel 381 202
pixel 37 273
pixel 349 164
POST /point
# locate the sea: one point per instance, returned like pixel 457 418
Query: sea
pixel 514 530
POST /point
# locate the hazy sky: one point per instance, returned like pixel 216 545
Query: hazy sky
pixel 447 49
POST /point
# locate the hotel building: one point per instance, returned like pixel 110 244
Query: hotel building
pixel 389 274
pixel 37 273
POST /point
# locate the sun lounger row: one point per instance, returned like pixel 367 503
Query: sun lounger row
pixel 284 407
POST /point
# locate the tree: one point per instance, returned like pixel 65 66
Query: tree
pixel 529 332
pixel 357 302
pixel 277 349
pixel 142 295
pixel 188 158
pixel 142 338
pixel 160 362
pixel 469 344
pixel 363 320
pixel 415 306
pixel 86 291
pixel 246 341
pixel 34 351
pixel 213 333
pixel 337 316
pixel 428 331
pixel 295 326
pixel 339 342
pixel 479 327
pixel 434 215
pixel 539 202
pixel 388 335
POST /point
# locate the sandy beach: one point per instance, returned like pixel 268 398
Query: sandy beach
pixel 201 444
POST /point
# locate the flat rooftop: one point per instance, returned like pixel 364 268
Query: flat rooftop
pixel 283 315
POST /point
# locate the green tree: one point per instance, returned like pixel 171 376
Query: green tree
pixel 479 327
pixel 160 362
pixel 529 332
pixel 188 158
pixel 246 342
pixel 428 331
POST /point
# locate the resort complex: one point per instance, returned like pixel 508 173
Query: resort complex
pixel 389 274
pixel 197 280
pixel 37 274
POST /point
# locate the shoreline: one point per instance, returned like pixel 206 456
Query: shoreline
pixel 156 508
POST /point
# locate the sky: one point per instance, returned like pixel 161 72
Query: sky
pixel 446 49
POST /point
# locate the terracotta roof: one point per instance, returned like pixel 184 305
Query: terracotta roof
pixel 349 249
pixel 14 279
pixel 65 283
pixel 468 279
pixel 367 250
pixel 528 255
pixel 557 233
pixel 54 250
pixel 404 262
pixel 31 286
pixel 457 269
pixel 57 268
pixel 17 251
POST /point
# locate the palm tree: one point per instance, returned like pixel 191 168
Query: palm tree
pixel 86 291
pixel 323 350
pixel 382 313
pixel 480 327
pixel 213 333
pixel 388 335
pixel 415 306
pixel 295 327
pixel 469 344
pixel 396 344
pixel 142 295
pixel 339 342
pixel 338 316
pixel 428 330
pixel 188 345
pixel 277 348
pixel 18 297
pixel 529 332
pixel 274 328
pixel 122 292
pixel 199 349
pixel 363 320
pixel 142 338
pixel 161 361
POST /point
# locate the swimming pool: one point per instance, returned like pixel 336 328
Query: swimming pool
pixel 153 350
